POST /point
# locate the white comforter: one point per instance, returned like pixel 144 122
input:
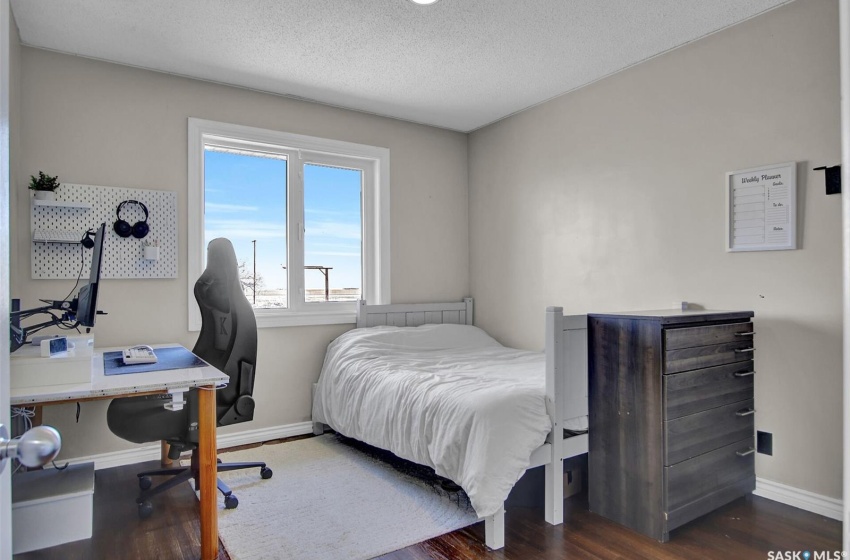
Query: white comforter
pixel 446 396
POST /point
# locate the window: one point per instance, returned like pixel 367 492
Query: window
pixel 308 219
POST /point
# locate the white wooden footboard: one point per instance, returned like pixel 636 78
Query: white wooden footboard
pixel 566 399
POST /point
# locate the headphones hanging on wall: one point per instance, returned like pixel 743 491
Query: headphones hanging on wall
pixel 137 230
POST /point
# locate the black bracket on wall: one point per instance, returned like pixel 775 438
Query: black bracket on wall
pixel 833 178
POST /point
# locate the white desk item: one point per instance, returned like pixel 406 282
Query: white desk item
pixel 177 400
pixel 53 347
pixel 36 340
pixel 57 236
pixel 761 208
pixel 139 355
pixel 52 507
pixel 27 367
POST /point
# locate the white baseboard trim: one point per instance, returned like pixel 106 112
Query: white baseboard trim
pixel 151 452
pixel 802 499
pixel 263 434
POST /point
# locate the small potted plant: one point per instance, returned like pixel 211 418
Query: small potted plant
pixel 44 186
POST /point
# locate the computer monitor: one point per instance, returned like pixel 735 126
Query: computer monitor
pixel 85 310
pixel 81 311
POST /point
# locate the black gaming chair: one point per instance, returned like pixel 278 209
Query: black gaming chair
pixel 228 342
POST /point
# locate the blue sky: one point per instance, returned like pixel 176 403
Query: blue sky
pixel 246 200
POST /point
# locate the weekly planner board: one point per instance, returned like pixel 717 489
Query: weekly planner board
pixel 761 208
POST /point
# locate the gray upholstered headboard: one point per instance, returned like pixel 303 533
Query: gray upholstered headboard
pixel 414 314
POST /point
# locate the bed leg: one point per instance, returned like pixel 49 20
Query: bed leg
pixel 555 492
pixel 318 427
pixel 494 530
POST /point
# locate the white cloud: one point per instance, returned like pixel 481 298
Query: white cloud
pixel 332 213
pixel 334 253
pixel 229 208
pixel 334 230
pixel 243 229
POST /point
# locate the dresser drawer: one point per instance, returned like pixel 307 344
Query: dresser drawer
pixel 699 433
pixel 700 389
pixel 690 480
pixel 697 357
pixel 675 339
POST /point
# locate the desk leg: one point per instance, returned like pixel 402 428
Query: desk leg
pixel 207 460
pixel 164 461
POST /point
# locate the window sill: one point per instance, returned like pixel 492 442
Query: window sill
pixel 273 319
pixel 302 319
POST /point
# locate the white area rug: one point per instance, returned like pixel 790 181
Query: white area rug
pixel 327 500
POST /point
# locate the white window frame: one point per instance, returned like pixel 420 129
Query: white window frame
pixel 300 150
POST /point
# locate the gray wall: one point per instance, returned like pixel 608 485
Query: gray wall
pixel 96 123
pixel 606 199
pixel 612 198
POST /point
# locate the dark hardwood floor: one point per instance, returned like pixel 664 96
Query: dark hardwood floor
pixel 747 528
pixel 171 533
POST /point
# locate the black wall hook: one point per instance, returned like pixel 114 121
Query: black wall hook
pixel 833 178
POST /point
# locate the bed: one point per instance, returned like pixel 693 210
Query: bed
pixel 447 395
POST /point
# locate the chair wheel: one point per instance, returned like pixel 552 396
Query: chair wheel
pixel 266 473
pixel 145 482
pixel 230 502
pixel 145 510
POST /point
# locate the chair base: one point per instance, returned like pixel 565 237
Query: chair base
pixel 184 474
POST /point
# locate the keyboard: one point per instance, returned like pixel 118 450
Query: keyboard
pixel 56 236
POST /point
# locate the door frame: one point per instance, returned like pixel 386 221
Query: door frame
pixel 844 57
pixel 5 477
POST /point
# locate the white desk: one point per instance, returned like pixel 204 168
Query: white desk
pixel 127 385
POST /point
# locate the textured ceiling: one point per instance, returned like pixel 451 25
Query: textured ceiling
pixel 457 64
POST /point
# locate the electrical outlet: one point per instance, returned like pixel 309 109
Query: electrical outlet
pixel 764 443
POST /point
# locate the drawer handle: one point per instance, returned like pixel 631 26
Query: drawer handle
pixel 744 373
pixel 749 451
pixel 742 350
pixel 745 412
pixel 750 333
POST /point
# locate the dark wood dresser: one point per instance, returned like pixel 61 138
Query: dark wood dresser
pixel 671 415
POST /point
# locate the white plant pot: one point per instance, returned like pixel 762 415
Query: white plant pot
pixel 45 195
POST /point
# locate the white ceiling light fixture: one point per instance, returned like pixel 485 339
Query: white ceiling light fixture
pixel 424 2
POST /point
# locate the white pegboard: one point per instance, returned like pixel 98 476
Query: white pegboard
pixel 122 257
